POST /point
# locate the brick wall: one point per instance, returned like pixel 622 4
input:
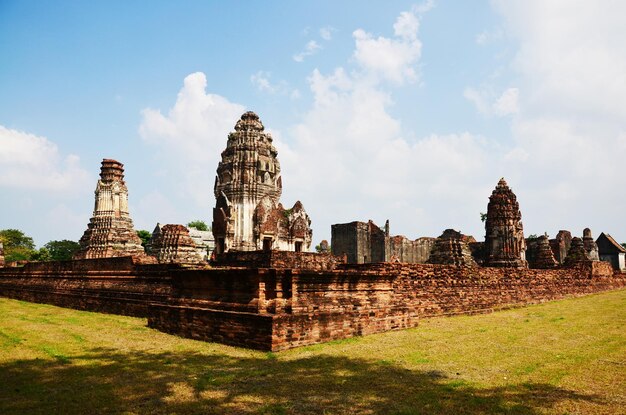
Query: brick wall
pixel 278 259
pixel 109 285
pixel 280 308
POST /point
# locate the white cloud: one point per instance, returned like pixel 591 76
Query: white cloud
pixel 311 48
pixel 489 36
pixel 32 162
pixel 326 33
pixel 573 56
pixel 261 80
pixel 507 103
pixel 392 59
pixel 568 132
pixel 189 139
pixel 483 100
pixel 353 151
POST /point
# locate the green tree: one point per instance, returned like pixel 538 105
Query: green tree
pixel 483 216
pixel 199 225
pixel 144 236
pixel 42 254
pixel 17 245
pixel 61 250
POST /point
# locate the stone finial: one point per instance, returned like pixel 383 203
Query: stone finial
pixel 249 121
pixel 324 246
pixel 590 245
pixel 504 239
pixel 451 248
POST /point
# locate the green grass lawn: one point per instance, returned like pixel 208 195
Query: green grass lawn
pixel 562 357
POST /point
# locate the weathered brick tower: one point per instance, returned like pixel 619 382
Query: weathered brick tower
pixel 247 215
pixel 110 231
pixel 504 240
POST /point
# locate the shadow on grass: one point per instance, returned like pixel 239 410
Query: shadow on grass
pixel 107 381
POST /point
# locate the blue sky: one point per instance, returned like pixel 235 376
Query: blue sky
pixel 403 111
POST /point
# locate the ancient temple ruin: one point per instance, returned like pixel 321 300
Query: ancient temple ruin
pixel 560 245
pixel 452 248
pixel 365 242
pixel 248 215
pixel 1 254
pixel 591 248
pixel 577 253
pixel 541 253
pixel 172 244
pixel 504 233
pixel 110 231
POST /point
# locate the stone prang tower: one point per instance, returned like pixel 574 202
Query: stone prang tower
pixel 504 240
pixel 247 214
pixel 110 231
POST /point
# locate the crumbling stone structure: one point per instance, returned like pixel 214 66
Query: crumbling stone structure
pixel 172 244
pixel 277 307
pixel 542 255
pixel 205 243
pixel 1 254
pixel 361 242
pixel 110 231
pixel 403 249
pixel 590 245
pixel 324 247
pixel 504 240
pixel 577 253
pixel 365 242
pixel 452 248
pixel 560 245
pixel 247 214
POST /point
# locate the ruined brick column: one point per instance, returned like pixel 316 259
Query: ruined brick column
pixel 504 240
pixel 1 254
pixel 451 248
pixel 172 244
pixel 544 257
pixel 577 253
pixel 590 245
pixel 110 231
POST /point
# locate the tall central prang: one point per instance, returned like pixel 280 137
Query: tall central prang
pixel 247 215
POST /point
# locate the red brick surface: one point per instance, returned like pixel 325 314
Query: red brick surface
pixel 280 308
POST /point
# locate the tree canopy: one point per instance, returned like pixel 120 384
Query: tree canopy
pixel 61 250
pixel 199 225
pixel 145 236
pixel 17 245
pixel 21 247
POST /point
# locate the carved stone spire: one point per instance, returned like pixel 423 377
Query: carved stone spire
pixel 247 215
pixel 249 171
pixel 504 240
pixel 110 231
